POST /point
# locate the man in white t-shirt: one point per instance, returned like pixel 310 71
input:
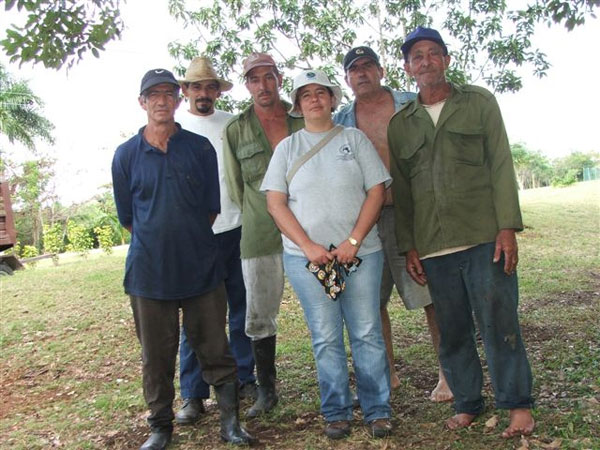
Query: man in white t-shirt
pixel 202 87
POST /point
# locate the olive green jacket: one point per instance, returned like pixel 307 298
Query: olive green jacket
pixel 246 153
pixel 454 184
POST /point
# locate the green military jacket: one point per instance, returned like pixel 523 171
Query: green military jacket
pixel 454 183
pixel 246 153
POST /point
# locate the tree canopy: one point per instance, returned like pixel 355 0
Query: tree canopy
pixel 20 116
pixel 488 40
pixel 56 33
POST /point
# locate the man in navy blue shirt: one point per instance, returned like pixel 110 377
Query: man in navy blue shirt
pixel 166 188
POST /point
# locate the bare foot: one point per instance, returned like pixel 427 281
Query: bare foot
pixel 521 423
pixel 394 381
pixel 442 392
pixel 461 420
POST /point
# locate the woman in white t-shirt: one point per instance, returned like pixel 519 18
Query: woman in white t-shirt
pixel 334 198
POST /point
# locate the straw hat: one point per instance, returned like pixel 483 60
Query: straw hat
pixel 201 69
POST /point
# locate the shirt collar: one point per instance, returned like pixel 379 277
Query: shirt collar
pixel 416 105
pixel 145 146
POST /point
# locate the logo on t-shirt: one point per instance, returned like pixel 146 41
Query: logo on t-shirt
pixel 345 153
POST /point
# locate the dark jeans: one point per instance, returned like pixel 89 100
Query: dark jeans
pixel 190 372
pixel 465 282
pixel 157 328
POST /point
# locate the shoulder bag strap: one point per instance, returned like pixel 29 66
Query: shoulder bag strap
pixel 312 152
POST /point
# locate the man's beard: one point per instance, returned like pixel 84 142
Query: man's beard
pixel 203 105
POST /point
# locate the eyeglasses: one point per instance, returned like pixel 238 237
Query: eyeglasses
pixel 153 94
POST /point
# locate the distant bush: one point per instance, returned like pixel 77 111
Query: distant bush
pixel 104 234
pixel 54 240
pixel 29 251
pixel 80 240
pixel 570 177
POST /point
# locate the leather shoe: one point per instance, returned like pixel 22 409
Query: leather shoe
pixel 158 440
pixel 338 429
pixel 381 428
pixel 190 412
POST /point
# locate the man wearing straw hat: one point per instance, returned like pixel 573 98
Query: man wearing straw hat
pixel 202 87
pixel 248 143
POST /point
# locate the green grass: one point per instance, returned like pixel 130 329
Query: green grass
pixel 70 370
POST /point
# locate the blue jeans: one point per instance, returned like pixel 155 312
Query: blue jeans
pixel 469 282
pixel 190 374
pixel 358 308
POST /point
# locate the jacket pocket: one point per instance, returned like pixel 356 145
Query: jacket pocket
pixel 467 145
pixel 253 161
pixel 416 155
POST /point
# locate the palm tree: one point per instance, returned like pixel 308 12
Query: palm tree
pixel 20 118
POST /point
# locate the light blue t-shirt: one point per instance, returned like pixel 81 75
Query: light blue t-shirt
pixel 328 191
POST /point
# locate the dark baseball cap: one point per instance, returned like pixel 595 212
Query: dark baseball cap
pixel 357 53
pixel 422 34
pixel 157 76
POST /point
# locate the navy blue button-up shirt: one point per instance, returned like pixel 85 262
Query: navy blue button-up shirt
pixel 167 197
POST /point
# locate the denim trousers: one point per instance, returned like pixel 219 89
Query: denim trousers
pixel 469 282
pixel 157 328
pixel 358 309
pixel 190 373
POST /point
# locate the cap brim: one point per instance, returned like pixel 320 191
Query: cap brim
pixel 405 48
pixel 156 81
pixel 357 58
pixel 265 64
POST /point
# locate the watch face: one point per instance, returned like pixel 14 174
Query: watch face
pixel 353 241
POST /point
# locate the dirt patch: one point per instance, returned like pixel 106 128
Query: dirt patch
pixel 574 298
pixel 16 390
pixel 535 334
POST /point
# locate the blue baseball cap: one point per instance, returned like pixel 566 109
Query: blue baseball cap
pixel 157 76
pixel 422 34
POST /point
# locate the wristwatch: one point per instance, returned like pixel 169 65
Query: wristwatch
pixel 353 241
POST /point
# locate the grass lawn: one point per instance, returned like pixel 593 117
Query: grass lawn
pixel 70 365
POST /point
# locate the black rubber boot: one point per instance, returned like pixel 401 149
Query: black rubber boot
pixel 190 412
pixel 231 430
pixel 158 440
pixel 266 374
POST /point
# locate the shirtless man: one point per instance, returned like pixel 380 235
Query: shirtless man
pixel 370 112
pixel 248 143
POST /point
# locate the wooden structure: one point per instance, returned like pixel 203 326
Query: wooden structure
pixel 8 234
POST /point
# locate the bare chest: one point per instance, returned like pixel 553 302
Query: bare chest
pixel 373 121
pixel 275 130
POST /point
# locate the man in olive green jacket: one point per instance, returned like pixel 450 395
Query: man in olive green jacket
pixel 249 140
pixel 457 210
